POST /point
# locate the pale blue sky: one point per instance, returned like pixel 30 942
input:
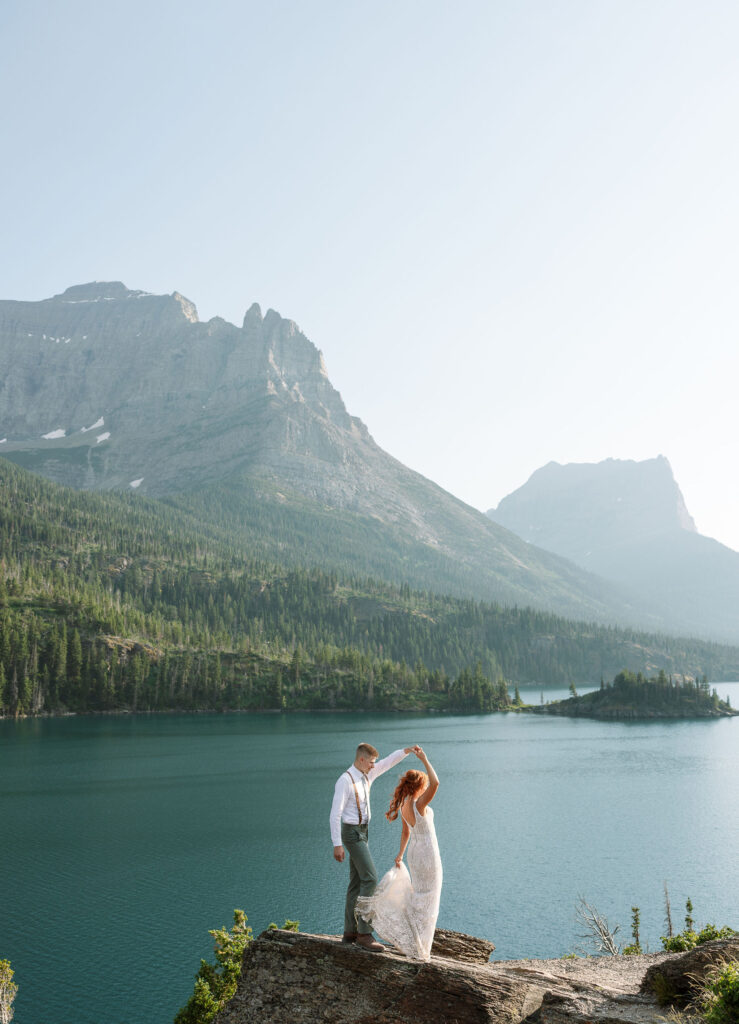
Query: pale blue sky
pixel 511 227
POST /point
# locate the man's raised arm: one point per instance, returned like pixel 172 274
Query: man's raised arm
pixel 388 762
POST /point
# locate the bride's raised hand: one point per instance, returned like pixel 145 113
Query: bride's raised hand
pixel 419 752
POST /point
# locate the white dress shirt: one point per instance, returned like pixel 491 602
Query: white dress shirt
pixel 344 806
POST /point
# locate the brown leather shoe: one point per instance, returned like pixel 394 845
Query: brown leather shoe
pixel 349 937
pixel 368 942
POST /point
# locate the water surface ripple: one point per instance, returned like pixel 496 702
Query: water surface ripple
pixel 125 839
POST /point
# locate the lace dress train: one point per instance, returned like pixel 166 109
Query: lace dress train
pixel 404 907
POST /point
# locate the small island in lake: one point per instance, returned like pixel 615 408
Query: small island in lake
pixel 632 696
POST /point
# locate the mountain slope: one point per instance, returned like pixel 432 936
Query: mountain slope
pixel 111 601
pixel 627 521
pixel 107 388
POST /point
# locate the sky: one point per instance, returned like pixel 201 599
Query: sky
pixel 511 227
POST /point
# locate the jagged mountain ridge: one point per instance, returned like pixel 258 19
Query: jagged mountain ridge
pixel 136 388
pixel 627 521
pixel 104 387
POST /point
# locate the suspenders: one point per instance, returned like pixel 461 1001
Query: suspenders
pixel 356 796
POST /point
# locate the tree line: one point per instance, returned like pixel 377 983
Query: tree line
pixel 113 601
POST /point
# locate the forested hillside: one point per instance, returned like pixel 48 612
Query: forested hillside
pixel 111 602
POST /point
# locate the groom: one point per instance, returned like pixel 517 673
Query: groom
pixel 350 815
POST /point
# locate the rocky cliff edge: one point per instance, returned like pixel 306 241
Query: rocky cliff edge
pixel 314 979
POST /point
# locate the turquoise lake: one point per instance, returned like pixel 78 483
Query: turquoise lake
pixel 123 840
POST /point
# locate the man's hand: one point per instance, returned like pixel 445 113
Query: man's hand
pixel 412 750
pixel 339 853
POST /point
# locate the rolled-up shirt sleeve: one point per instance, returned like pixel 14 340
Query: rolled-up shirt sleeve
pixel 386 764
pixel 337 808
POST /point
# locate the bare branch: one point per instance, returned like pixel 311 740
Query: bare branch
pixel 597 930
pixel 668 912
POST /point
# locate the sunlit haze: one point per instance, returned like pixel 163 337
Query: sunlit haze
pixel 511 227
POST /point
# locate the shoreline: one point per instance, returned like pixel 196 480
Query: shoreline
pixel 531 709
pixel 127 712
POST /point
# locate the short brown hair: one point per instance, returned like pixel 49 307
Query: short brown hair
pixel 366 750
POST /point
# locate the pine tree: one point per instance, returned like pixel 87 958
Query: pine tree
pixel 74 667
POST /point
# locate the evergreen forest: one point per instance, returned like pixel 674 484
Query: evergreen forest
pixel 114 602
pixel 632 695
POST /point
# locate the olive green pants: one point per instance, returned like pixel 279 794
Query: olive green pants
pixel 362 874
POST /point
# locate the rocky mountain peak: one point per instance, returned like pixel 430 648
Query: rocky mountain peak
pixel 627 522
pixel 188 308
pixel 291 354
pixel 162 389
pixel 104 293
pixel 252 317
pixel 621 496
pixel 94 291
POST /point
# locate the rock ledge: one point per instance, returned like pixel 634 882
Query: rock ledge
pixel 314 979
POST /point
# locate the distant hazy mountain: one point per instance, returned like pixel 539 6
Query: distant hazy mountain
pixel 106 388
pixel 627 521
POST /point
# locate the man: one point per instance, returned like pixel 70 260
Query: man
pixel 350 815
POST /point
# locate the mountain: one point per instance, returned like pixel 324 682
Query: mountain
pixel 627 522
pixel 106 388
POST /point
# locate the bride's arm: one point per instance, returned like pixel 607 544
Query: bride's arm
pixel 404 837
pixel 430 791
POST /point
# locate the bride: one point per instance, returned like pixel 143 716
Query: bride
pixel 404 907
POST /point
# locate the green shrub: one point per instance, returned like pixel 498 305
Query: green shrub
pixel 216 983
pixel 680 942
pixel 710 932
pixel 721 995
pixel 634 949
pixel 688 939
pixel 8 989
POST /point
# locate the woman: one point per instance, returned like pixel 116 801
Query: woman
pixel 404 907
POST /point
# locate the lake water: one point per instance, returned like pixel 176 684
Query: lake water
pixel 123 840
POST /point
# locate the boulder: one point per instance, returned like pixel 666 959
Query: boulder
pixel 292 977
pixel 676 980
pixel 295 978
pixel 458 946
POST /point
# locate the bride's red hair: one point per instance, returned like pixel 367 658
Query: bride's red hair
pixel 410 784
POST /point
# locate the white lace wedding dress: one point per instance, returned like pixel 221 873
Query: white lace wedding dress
pixel 404 907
